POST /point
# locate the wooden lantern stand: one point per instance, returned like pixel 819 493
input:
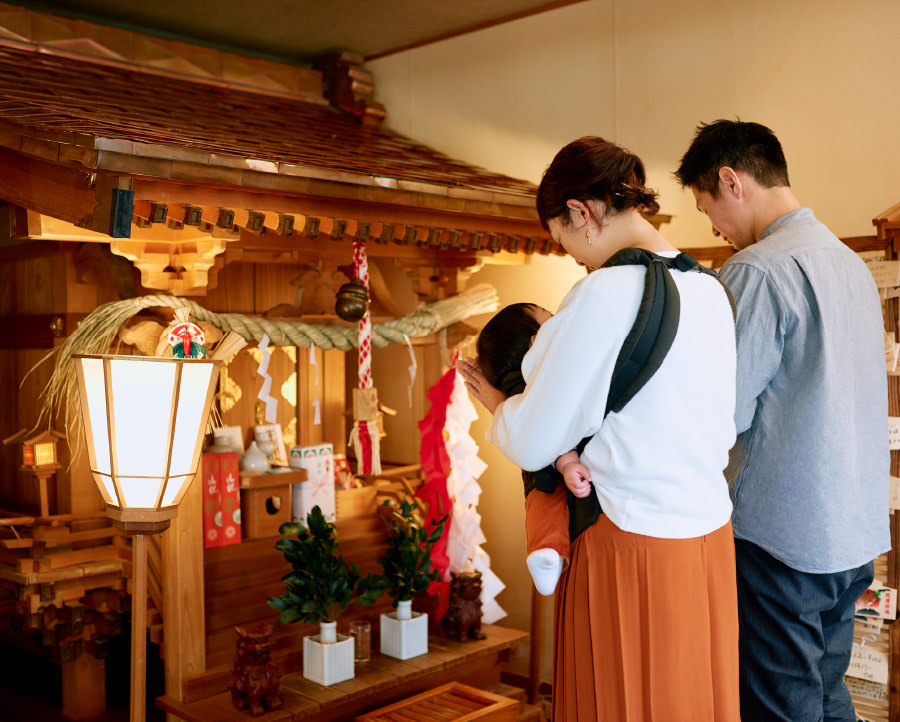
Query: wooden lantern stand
pixel 138 531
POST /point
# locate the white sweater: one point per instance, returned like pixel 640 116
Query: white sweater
pixel 657 464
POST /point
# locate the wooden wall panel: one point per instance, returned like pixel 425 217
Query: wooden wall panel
pixel 239 579
pixel 40 284
pixel 7 285
pixel 80 297
pixel 334 401
pixel 233 292
pixel 182 555
pixel 29 286
pixel 9 423
pixel 272 285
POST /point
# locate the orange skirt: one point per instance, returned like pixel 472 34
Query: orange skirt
pixel 647 629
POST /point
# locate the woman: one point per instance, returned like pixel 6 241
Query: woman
pixel 646 613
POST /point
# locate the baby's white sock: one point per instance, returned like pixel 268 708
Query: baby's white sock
pixel 545 566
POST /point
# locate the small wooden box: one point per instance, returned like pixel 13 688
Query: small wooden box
pixel 454 701
pixel 354 503
pixel 266 501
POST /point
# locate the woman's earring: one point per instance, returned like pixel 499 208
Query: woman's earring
pixel 588 234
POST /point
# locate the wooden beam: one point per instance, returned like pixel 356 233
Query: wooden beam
pixel 865 243
pixel 484 216
pixel 78 196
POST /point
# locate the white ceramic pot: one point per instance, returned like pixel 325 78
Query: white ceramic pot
pixel 328 656
pixel 254 459
pixel 404 634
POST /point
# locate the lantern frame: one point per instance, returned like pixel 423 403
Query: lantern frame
pixel 126 399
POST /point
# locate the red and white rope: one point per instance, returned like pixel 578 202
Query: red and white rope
pixel 361 269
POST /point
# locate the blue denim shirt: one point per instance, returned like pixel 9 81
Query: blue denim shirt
pixel 809 472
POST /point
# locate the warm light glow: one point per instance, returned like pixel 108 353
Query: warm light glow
pixel 45 454
pixel 144 420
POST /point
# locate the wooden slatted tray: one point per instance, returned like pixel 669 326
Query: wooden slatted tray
pixel 452 701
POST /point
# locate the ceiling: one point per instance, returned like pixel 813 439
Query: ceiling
pixel 295 31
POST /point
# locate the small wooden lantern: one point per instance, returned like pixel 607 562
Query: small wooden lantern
pixel 39 456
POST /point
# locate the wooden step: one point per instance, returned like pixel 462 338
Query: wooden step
pixel 527 712
pixel 531 713
pixel 508 690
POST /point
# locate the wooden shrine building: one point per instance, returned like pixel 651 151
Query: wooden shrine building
pixel 133 167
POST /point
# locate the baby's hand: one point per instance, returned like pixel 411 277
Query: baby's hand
pixel 577 478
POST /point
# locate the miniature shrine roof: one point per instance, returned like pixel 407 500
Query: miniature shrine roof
pixel 117 109
pixel 138 138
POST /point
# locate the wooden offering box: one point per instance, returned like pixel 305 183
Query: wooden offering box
pixel 453 701
pixel 266 501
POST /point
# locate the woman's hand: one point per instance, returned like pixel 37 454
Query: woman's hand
pixel 478 386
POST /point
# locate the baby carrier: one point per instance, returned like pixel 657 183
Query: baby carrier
pixel 642 353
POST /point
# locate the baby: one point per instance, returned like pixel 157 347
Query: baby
pixel 501 346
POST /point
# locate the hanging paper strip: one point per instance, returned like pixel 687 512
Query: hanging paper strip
pixel 466 536
pixel 412 368
pixel 265 393
pixel 312 361
pixel 364 435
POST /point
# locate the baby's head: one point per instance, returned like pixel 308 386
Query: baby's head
pixel 503 343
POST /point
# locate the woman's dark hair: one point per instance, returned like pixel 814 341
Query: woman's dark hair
pixel 748 147
pixel 503 343
pixel 592 168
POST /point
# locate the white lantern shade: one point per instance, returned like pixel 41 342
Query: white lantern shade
pixel 144 419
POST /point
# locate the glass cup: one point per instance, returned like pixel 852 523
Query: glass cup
pixel 361 631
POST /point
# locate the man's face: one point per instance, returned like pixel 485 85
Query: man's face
pixel 727 215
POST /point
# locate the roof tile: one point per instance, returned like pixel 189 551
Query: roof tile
pixel 130 111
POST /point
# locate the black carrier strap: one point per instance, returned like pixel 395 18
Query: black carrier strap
pixel 653 331
pixel 642 353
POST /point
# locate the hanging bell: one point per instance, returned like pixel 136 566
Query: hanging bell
pixel 352 301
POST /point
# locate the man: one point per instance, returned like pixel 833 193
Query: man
pixel 809 471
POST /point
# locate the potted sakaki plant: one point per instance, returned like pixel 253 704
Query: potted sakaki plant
pixel 320 587
pixel 408 571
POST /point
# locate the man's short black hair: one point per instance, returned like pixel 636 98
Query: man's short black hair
pixel 748 147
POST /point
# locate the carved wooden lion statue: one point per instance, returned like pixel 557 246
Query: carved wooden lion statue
pixel 463 618
pixel 254 683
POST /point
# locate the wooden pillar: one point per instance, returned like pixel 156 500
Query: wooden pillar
pixel 534 653
pixel 184 633
pixel 83 687
pixel 44 503
pixel 138 707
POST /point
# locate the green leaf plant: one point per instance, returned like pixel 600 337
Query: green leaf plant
pixel 322 585
pixel 407 566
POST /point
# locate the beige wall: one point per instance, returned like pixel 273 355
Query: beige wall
pixel 823 74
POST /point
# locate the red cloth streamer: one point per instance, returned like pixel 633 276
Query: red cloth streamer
pixel 436 467
pixel 365 443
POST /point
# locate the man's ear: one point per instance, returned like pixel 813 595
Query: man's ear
pixel 730 182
